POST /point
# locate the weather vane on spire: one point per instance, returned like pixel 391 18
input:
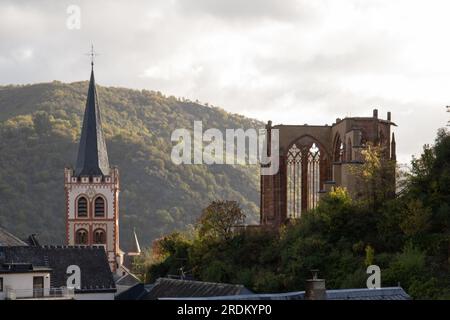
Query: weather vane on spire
pixel 92 54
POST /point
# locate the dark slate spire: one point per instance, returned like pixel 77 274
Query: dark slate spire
pixel 92 155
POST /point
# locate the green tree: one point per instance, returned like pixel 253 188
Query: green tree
pixel 219 219
pixel 375 176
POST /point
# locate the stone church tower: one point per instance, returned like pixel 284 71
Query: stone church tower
pixel 92 189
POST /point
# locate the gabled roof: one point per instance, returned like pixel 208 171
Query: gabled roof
pixel 96 275
pixel 128 279
pixel 165 287
pixel 8 239
pixel 92 154
pixel 136 292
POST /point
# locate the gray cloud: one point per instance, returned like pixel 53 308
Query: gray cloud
pixel 289 61
pixel 246 10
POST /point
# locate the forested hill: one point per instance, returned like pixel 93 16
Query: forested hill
pixel 40 126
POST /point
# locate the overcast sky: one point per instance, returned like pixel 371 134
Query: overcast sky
pixel 293 62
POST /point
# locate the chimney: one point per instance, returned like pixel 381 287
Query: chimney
pixel 269 138
pixel 315 288
pixel 375 113
pixel 389 116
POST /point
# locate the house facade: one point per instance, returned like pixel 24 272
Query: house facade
pixel 55 272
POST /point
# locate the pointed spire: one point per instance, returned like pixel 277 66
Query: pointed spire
pixel 136 248
pixel 393 148
pixel 92 154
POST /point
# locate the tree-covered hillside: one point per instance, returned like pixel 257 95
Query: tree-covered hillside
pixel 40 126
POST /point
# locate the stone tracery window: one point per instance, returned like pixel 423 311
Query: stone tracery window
pixel 303 178
pixel 338 149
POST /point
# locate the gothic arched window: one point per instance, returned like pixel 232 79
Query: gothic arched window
pixel 338 149
pixel 81 237
pixel 82 207
pixel 99 236
pixel 313 176
pixel 99 207
pixel 294 182
pixel 303 178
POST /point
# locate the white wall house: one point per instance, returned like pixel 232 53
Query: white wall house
pixel 55 272
pixel 24 284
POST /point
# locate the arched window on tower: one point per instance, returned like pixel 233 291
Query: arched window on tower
pixel 99 207
pixel 82 207
pixel 81 237
pixel 99 236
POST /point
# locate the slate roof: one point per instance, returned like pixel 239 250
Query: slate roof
pixel 136 292
pixel 92 154
pixel 8 239
pixel 96 275
pixel 165 287
pixel 388 293
pixel 129 279
pixel 173 288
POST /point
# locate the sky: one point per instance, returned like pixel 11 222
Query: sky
pixel 290 61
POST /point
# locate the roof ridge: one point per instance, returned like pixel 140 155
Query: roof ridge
pixel 198 281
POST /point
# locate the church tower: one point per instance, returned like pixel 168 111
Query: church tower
pixel 92 189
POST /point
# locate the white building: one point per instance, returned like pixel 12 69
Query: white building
pixel 55 272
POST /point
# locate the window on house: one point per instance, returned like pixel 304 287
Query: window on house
pixel 81 236
pixel 99 207
pixel 99 236
pixel 1 284
pixel 82 207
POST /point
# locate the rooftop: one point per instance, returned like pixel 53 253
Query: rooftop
pixel 96 274
pixel 388 293
pixel 7 239
pixel 166 288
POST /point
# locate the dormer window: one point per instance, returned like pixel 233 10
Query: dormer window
pixel 82 207
pixel 99 207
